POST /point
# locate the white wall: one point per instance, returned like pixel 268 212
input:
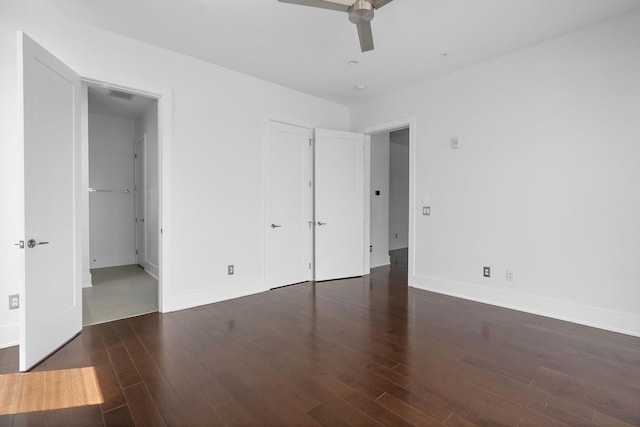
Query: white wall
pixel 379 204
pixel 111 215
pixel 399 189
pixel 213 202
pixel 546 182
pixel 147 125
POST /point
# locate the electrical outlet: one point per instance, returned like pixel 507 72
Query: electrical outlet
pixel 230 270
pixel 426 210
pixel 509 275
pixel 371 248
pixel 487 271
pixel 14 301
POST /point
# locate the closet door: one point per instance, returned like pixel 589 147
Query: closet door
pixel 289 216
pixel 339 204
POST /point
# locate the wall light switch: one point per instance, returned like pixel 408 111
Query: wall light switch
pixel 455 143
pixel 426 210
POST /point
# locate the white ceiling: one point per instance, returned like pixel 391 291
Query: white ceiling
pixel 101 103
pixel 308 49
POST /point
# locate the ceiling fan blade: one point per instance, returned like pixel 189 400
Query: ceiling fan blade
pixel 365 35
pixel 323 4
pixel 379 3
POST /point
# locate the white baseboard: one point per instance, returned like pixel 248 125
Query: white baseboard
pixel 9 335
pixel 86 280
pixel 214 294
pixel 625 323
pixel 379 262
pixel 113 261
pixel 151 273
pixel 150 269
pixel 402 246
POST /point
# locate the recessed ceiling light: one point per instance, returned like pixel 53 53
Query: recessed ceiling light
pixel 359 88
pixel 353 62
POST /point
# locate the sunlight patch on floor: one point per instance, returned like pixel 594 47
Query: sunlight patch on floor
pixel 49 390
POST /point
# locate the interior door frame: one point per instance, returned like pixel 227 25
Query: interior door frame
pixel 163 97
pixel 409 122
pixel 266 135
pixel 142 212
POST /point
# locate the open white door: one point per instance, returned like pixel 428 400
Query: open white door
pixel 339 204
pixel 289 231
pixel 51 310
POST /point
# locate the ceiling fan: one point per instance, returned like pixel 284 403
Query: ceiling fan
pixel 360 13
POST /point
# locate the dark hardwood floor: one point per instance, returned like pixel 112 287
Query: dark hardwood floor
pixel 366 351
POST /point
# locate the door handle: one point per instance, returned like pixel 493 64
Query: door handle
pixel 20 244
pixel 275 226
pixel 322 223
pixel 31 243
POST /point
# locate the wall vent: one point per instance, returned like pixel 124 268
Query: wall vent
pixel 121 95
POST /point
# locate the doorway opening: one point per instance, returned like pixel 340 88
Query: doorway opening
pixel 399 197
pixel 124 209
pixel 391 167
pixel 389 199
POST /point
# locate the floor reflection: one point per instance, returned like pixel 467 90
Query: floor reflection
pixel 388 315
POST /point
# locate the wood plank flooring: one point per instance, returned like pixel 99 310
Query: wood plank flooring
pixel 366 351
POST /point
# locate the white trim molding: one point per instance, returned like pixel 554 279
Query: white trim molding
pixel 213 294
pixel 411 123
pixel 615 321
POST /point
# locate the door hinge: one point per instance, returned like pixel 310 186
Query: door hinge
pixel 309 183
pixel 310 141
pixel 135 156
pixel 309 266
pixel 136 252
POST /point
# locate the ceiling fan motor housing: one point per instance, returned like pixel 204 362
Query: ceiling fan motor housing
pixel 361 11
